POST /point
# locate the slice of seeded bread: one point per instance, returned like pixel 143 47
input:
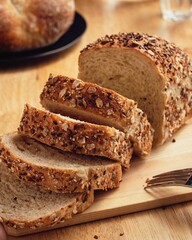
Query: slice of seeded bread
pixel 25 207
pixel 52 169
pixel 92 103
pixel 72 135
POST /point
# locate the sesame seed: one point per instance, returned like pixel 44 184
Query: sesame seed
pixel 82 140
pixel 54 80
pixel 75 84
pixel 73 103
pixel 84 103
pixel 62 92
pixel 91 89
pixel 64 126
pixel 99 103
pixel 75 211
pixel 150 52
pixel 90 146
pixel 110 111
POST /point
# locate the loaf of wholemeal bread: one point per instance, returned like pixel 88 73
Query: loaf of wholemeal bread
pixel 55 170
pixel 72 135
pixel 31 24
pixel 25 207
pixel 95 104
pixel 148 69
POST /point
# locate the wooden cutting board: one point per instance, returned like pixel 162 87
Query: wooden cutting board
pixel 131 197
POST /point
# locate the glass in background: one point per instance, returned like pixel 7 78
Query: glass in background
pixel 177 10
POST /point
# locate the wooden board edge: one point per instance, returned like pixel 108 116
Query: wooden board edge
pixel 93 216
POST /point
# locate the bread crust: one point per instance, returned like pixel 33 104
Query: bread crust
pixel 31 24
pixel 171 63
pixel 76 136
pixel 90 98
pixel 58 179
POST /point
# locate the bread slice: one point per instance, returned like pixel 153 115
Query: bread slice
pixel 25 207
pixel 52 169
pixel 95 104
pixel 148 69
pixel 72 135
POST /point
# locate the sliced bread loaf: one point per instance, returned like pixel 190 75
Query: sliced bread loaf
pixel 72 135
pixel 95 104
pixel 25 207
pixel 55 170
pixel 148 69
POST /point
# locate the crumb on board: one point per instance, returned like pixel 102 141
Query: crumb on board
pixel 96 237
pixel 121 234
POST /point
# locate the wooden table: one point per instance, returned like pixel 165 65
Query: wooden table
pixel 23 83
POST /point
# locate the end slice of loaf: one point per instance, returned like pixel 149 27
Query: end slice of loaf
pixel 52 169
pixel 92 103
pixel 152 71
pixel 72 135
pixel 25 207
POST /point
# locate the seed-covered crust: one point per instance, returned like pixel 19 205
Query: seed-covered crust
pixel 172 64
pixel 93 99
pixel 53 178
pixel 75 136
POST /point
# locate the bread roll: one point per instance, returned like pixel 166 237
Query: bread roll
pixel 32 24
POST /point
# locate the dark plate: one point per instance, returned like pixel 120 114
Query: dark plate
pixel 66 41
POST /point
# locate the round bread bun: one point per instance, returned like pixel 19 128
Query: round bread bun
pixel 29 24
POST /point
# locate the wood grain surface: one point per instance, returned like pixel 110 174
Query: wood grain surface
pixel 21 83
